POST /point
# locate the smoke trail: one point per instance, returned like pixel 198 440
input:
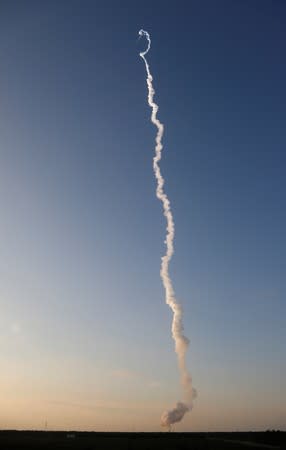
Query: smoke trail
pixel 181 341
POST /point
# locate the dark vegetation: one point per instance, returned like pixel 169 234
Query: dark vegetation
pixel 140 441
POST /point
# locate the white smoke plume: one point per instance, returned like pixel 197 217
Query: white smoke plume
pixel 181 341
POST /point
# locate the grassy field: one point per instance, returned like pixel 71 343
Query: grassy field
pixel 139 441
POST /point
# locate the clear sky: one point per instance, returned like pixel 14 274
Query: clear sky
pixel 84 331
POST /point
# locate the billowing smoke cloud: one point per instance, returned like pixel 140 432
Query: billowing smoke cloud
pixel 174 415
pixel 181 341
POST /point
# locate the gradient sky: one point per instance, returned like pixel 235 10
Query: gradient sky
pixel 84 330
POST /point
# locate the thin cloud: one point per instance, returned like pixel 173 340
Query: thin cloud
pixel 125 374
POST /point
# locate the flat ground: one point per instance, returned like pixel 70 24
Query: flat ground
pixel 140 441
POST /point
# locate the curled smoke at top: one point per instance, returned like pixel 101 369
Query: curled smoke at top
pixel 181 341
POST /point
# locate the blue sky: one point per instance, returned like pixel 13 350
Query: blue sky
pixel 84 325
